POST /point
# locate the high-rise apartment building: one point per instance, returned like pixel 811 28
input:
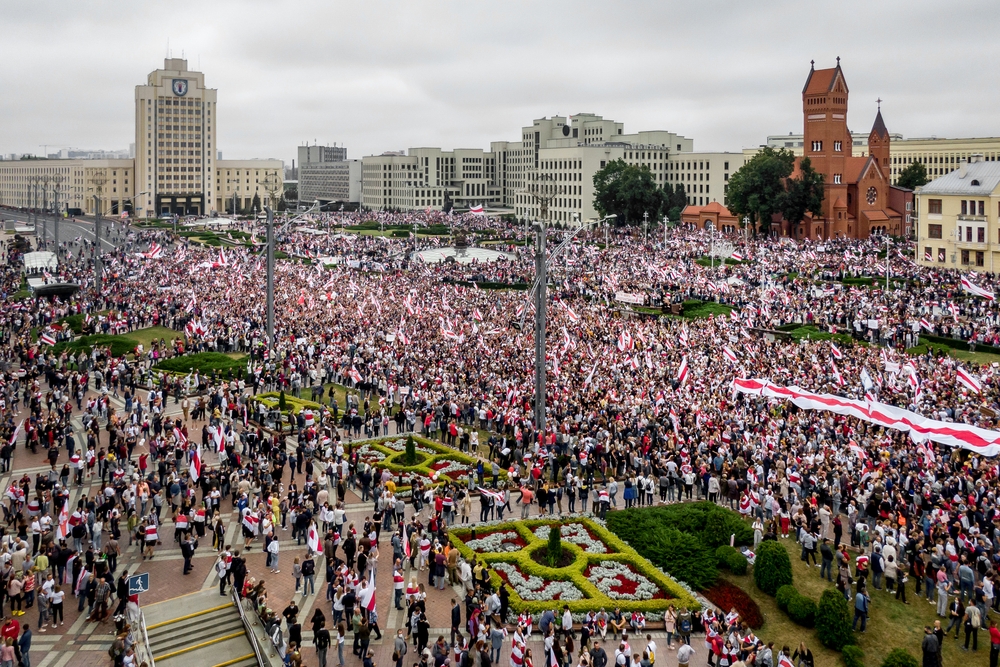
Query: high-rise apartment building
pixel 326 175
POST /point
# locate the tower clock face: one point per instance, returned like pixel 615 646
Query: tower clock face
pixel 871 196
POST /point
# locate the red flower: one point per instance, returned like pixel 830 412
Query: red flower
pixel 725 596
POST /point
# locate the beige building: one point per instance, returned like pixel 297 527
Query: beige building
pixel 68 185
pixel 174 170
pixel 175 129
pixel 238 181
pixel 939 156
pixel 959 218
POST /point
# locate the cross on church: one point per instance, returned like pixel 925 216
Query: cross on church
pixel 879 102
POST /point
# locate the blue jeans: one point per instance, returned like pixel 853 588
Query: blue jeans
pixel 309 584
pixel 864 619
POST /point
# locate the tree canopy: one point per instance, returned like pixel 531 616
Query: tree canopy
pixel 757 188
pixel 628 191
pixel 803 194
pixel 913 176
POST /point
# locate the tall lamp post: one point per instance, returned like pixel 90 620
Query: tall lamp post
pixel 539 293
pixel 666 222
pixel 97 245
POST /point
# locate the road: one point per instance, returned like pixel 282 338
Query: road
pixel 70 229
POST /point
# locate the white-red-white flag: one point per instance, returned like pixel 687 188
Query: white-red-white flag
pixel 682 372
pixel 969 380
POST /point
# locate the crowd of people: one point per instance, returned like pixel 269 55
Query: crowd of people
pixel 636 404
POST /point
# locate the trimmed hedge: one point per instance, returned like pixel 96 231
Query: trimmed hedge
pixel 772 568
pixel 681 539
pixel 784 596
pixel 725 596
pixel 120 345
pixel 695 309
pixel 594 598
pixel 203 362
pixel 731 559
pixel 802 610
pixel 293 406
pixel 833 621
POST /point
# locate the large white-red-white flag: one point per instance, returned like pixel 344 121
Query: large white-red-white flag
pixel 194 468
pixel 968 286
pixel 682 372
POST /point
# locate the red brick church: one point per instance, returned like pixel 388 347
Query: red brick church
pixel 858 197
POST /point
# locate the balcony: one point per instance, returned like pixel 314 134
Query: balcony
pixel 971 245
pixel 962 217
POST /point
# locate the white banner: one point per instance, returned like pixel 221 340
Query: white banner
pixel 921 429
pixel 626 297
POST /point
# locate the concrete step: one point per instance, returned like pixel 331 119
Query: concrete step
pixel 196 631
pixel 218 653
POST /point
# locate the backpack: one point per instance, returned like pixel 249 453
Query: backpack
pixel 685 626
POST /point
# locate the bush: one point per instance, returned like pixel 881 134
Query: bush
pixel 802 610
pixel 853 656
pixel 670 540
pixel 410 457
pixel 784 596
pixel 772 568
pixel 833 621
pixel 731 559
pixel 203 362
pixel 900 657
pixel 554 550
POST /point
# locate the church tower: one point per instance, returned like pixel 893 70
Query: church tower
pixel 827 140
pixel 878 143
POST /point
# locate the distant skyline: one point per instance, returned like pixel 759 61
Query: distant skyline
pixel 382 76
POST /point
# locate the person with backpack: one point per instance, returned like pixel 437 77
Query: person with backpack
pixel 973 621
pixel 321 640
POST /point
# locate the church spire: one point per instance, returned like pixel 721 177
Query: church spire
pixel 878 128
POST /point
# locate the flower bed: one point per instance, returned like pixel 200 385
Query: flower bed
pixel 604 571
pixel 531 587
pixel 497 541
pixel 620 581
pixel 438 464
pixel 725 596
pixel 576 533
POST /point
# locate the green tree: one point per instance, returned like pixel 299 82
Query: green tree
pixel 757 188
pixel 913 176
pixel 676 201
pixel 803 194
pixel 900 657
pixel 628 191
pixel 256 203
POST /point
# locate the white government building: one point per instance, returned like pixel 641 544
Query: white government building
pixel 555 159
pixel 175 169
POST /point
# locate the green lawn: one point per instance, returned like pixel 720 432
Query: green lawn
pixel 891 624
pixel 146 336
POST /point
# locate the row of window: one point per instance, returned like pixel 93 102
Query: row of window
pixel 967 256
pixel 817 146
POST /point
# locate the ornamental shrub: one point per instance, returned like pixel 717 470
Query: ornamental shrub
pixel 732 559
pixel 282 404
pixel 900 657
pixel 554 549
pixel 853 656
pixel 410 457
pixel 833 620
pixel 784 596
pixel 802 610
pixel 772 568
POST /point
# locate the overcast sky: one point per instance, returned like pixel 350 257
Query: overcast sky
pixel 379 76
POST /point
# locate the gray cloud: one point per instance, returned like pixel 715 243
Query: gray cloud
pixel 389 75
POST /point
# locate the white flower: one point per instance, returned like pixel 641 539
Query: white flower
pixel 606 576
pixel 535 588
pixel 400 446
pixel 575 533
pixel 496 542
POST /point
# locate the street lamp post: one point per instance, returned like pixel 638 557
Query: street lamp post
pixel 645 226
pixel 541 270
pixel 97 245
pixel 270 278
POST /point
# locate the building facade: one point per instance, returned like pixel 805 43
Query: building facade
pixel 705 176
pixel 959 218
pixel 177 168
pixel 938 155
pixel 175 129
pixel 326 175
pixel 68 184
